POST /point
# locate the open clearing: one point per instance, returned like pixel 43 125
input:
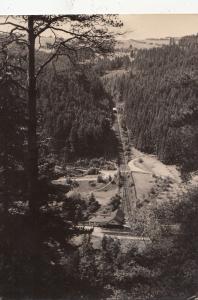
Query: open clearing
pixel 103 173
pixel 102 192
pixel 151 164
pixel 143 183
pixel 88 184
pixel 146 168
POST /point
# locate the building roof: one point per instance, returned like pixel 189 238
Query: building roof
pixel 115 217
pixel 73 194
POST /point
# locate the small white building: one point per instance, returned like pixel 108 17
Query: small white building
pixel 115 110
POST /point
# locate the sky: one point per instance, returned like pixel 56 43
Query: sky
pixel 159 25
pixel 20 7
pixel 145 26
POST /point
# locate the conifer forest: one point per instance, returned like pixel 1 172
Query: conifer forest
pixel 98 161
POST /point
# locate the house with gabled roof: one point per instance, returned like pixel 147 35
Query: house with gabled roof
pixel 112 219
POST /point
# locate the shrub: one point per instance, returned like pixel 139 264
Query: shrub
pixel 115 202
pixel 93 171
pixel 93 204
pixel 75 183
pixel 82 162
pixel 96 162
pixel 92 183
pixel 111 167
pixel 100 179
pixel 72 183
pixel 69 181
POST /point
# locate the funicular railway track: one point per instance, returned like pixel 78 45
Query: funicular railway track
pixel 126 201
pixel 128 191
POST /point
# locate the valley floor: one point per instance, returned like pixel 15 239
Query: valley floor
pixel 149 173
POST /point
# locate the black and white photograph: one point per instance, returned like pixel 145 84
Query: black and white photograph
pixel 99 156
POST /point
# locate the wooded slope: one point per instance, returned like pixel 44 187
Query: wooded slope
pixel 159 90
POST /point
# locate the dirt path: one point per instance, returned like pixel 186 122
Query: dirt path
pixel 103 187
pixel 133 167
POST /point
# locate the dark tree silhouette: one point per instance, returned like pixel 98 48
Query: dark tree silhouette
pixel 12 120
pixel 71 34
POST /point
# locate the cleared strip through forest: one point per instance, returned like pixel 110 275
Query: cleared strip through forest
pixel 129 196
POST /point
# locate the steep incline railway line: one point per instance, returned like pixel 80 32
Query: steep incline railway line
pixel 127 191
pixel 126 201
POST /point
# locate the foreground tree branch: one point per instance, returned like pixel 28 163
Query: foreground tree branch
pixel 76 32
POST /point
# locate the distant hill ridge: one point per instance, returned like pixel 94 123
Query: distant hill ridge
pixel 146 43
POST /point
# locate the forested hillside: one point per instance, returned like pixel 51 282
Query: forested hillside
pixel 75 112
pixel 75 228
pixel 159 90
pixel 74 108
pixel 107 64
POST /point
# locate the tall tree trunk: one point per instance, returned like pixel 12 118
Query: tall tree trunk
pixel 5 177
pixel 33 155
pixel 32 136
